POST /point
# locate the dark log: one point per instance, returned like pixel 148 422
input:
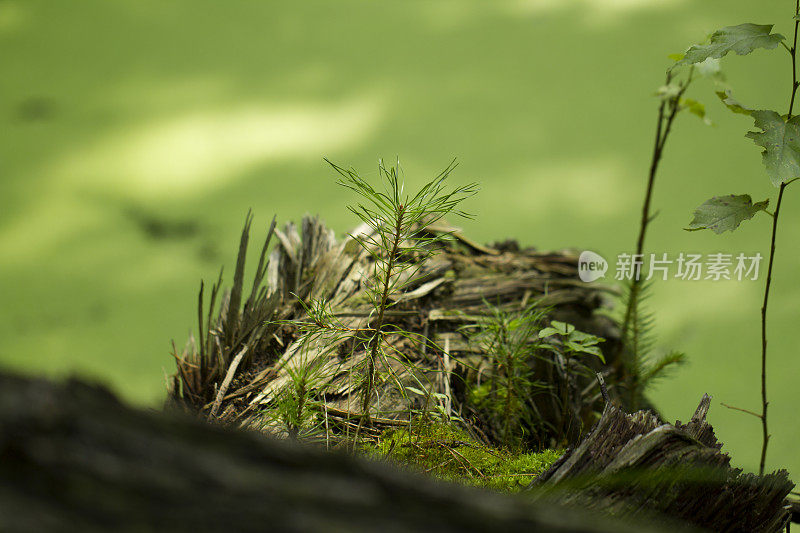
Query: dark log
pixel 72 458
pixel 634 464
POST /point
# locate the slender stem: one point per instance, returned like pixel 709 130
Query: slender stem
pixel 645 211
pixel 565 399
pixel 675 106
pixel 667 111
pixel 794 58
pixel 294 428
pixel 376 339
pixel 509 400
pixel 764 402
pixel 748 411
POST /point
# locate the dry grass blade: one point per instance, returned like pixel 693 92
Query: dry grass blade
pixel 232 320
pixel 226 383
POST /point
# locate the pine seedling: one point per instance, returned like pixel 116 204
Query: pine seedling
pixel 398 242
pixel 296 406
pixel 510 341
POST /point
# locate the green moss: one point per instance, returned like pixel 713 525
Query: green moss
pixel 479 395
pixel 447 452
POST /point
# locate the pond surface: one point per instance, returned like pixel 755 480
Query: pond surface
pixel 135 136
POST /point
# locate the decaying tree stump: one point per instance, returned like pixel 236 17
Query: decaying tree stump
pixel 72 458
pixel 628 465
pixel 245 354
pixel 634 464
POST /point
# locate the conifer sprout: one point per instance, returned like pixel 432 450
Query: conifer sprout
pixel 397 222
pixel 296 409
pixel 511 342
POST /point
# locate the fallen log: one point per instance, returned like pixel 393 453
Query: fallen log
pixel 73 458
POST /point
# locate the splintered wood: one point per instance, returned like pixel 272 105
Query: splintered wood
pixel 634 464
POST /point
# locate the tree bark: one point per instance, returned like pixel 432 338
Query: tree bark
pixel 73 458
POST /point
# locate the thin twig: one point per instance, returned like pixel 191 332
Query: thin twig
pixel 436 467
pixel 748 411
pixel 524 474
pixel 327 427
pixel 347 415
pixel 446 377
pixel 468 464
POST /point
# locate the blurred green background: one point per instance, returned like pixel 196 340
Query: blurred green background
pixel 135 136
